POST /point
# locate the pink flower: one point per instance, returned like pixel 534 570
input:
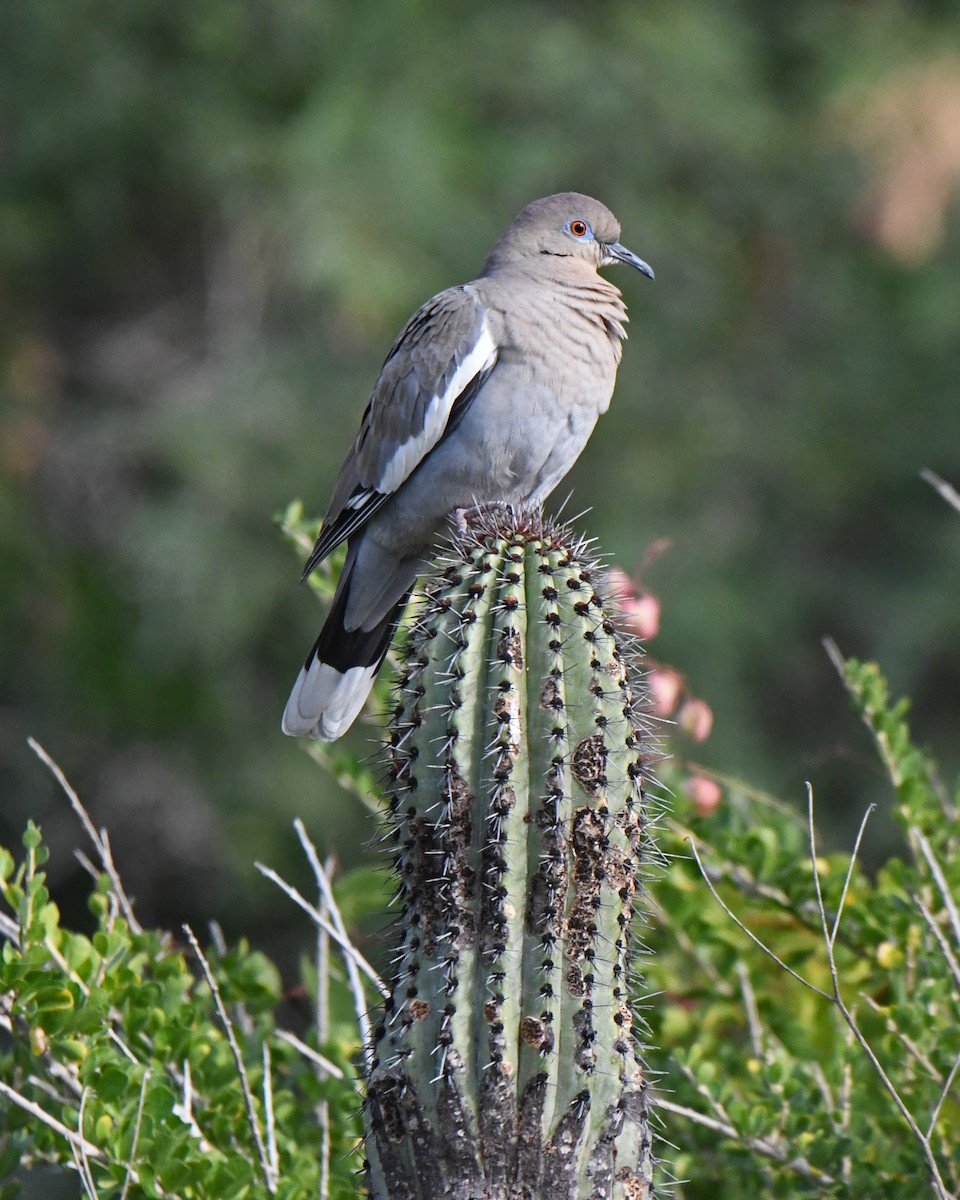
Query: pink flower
pixel 696 718
pixel 705 794
pixel 620 586
pixel 641 614
pixel 665 686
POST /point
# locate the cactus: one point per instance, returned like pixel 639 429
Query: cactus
pixel 505 1066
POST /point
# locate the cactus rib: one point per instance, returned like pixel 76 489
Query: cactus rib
pixel 505 1065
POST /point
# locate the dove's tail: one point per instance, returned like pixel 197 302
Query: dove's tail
pixel 339 672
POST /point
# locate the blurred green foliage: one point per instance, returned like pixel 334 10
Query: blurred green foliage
pixel 214 218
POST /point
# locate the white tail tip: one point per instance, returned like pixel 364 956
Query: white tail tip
pixel 325 702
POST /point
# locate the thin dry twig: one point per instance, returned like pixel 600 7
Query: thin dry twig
pixel 752 936
pixel 323 1066
pixel 131 1175
pixel 45 1086
pixel 761 1146
pixel 266 1167
pixel 946 490
pixel 883 745
pixel 829 930
pixel 750 1008
pixel 714 1101
pixel 99 838
pixel 826 1092
pixel 745 883
pixel 907 1042
pixel 184 1110
pixel 846 1113
pixel 350 952
pixel 924 1142
pixel 324 1189
pixel 944 1093
pixel 855 854
pixel 80 1157
pixel 327 897
pixel 74 1138
pixel 323 1032
pixel 918 836
pixel 934 927
pixel 322 1014
pixel 698 1118
pixel 273 1155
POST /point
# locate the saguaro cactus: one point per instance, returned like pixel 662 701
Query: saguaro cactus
pixel 505 1064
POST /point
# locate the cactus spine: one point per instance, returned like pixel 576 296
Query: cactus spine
pixel 505 1067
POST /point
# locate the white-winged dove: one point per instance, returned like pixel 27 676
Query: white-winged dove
pixel 488 396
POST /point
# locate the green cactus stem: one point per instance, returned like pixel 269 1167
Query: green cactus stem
pixel 505 1065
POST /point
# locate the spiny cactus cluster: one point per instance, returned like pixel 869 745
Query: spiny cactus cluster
pixel 506 1065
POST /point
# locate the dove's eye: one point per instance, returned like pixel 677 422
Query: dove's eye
pixel 579 228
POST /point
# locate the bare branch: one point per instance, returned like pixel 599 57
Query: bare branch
pixel 699 1118
pixel 80 1156
pixel 907 1042
pixel 715 1102
pixel 829 937
pixel 942 942
pixel 943 887
pixel 350 952
pixel 745 883
pixel 889 1086
pixel 356 985
pixel 322 1065
pixel 750 1007
pixel 131 1174
pixel 850 866
pixel 323 1117
pixel 944 1092
pixel 323 968
pixel 266 1168
pixel 272 1152
pixel 949 493
pixel 75 1139
pixel 833 653
pixel 760 1146
pixel 184 1110
pixel 99 839
pixel 752 936
pixel 846 1112
pixel 883 746
pixel 812 836
pixel 825 1089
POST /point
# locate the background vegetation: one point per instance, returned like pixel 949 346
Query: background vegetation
pixel 803 1017
pixel 214 218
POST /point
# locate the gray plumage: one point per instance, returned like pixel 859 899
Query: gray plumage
pixel 488 395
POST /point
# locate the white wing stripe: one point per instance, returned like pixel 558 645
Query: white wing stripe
pixel 409 453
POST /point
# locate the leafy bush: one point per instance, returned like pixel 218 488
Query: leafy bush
pixel 156 1068
pixel 808 1019
pixel 803 1017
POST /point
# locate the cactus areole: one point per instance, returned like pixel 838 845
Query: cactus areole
pixel 505 1066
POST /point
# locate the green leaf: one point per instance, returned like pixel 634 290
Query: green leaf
pixel 32 837
pixel 51 998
